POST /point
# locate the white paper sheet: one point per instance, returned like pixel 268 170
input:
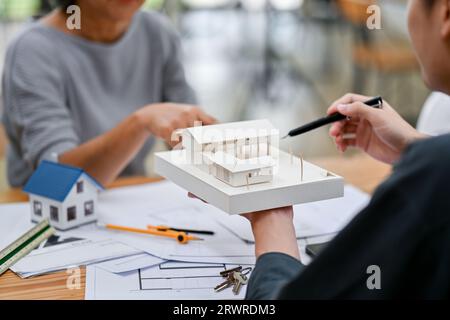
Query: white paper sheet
pixel 313 219
pixel 15 221
pixel 163 203
pixel 167 204
pixel 171 280
pixel 131 263
pixel 76 253
pixel 60 251
pixel 225 248
pixel 310 219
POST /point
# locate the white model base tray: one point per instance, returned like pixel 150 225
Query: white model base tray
pixel 286 189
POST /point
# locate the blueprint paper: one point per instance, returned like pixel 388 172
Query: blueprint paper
pixel 310 219
pixel 72 254
pixel 161 203
pixel 172 280
pixel 62 250
pixel 131 263
pixel 165 203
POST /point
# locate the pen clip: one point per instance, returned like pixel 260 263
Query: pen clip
pixel 379 105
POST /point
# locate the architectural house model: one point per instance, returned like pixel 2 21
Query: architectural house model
pixel 239 168
pixel 66 195
pixel 238 153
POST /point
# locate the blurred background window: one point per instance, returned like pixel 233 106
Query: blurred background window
pixel 280 59
pixel 18 9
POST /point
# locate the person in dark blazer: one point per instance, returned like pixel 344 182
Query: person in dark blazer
pixel 403 236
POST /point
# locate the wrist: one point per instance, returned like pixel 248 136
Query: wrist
pixel 281 244
pixel 274 232
pixel 419 136
pixel 414 137
pixel 139 121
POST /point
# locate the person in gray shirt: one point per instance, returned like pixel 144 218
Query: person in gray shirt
pixel 94 97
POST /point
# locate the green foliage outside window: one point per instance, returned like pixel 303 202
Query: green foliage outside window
pixel 18 9
pixel 153 4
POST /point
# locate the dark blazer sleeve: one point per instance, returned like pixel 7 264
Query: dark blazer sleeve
pixel 272 271
pixel 401 234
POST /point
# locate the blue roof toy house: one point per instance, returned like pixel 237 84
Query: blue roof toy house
pixel 66 195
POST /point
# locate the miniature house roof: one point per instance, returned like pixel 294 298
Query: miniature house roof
pixel 232 131
pixel 235 165
pixel 54 180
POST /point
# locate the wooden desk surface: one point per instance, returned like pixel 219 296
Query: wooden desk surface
pixel 359 170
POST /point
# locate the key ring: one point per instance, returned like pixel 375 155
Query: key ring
pixel 246 271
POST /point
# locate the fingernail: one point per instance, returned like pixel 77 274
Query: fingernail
pixel 342 107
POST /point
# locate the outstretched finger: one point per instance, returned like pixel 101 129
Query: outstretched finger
pixel 205 118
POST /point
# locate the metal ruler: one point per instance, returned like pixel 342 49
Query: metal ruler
pixel 22 246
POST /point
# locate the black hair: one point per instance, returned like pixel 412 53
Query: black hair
pixel 65 3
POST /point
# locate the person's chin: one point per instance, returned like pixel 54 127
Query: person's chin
pixel 130 2
pixel 129 5
pixel 124 16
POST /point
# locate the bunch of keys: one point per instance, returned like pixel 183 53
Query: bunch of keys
pixel 236 277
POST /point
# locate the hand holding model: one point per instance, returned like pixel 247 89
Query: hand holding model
pixel 274 231
pixel 382 133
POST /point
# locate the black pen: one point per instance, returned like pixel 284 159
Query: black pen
pixel 376 102
pixel 193 231
pixel 166 228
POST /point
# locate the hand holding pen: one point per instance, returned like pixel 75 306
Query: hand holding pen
pixel 381 132
pixel 332 117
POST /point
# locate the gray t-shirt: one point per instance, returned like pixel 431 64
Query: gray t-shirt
pixel 61 90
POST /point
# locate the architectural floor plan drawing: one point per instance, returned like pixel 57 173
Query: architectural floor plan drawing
pixel 170 280
pixel 239 168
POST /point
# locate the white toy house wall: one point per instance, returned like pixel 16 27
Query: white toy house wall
pixel 43 208
pixel 79 207
pixel 252 176
pixel 238 179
